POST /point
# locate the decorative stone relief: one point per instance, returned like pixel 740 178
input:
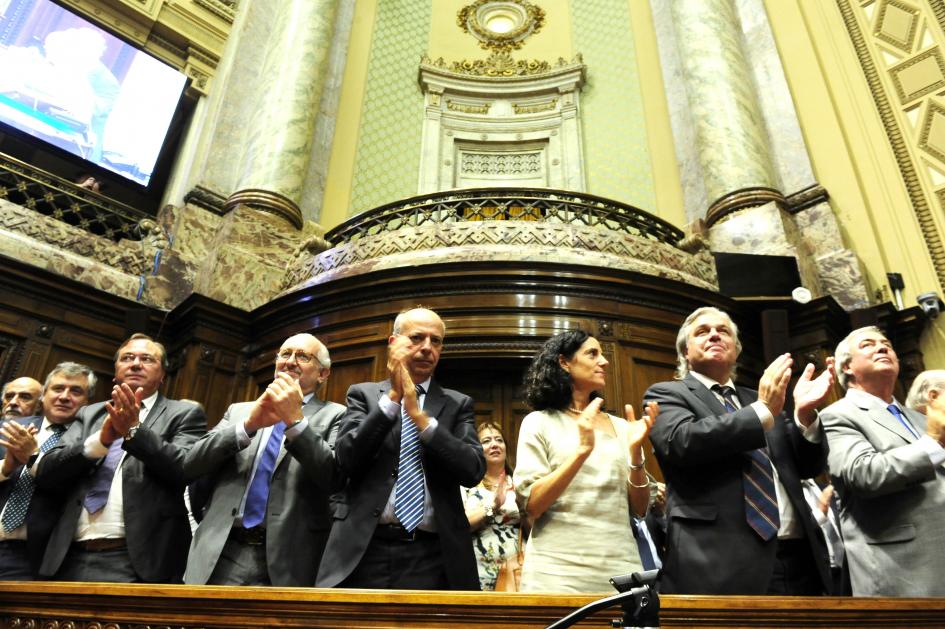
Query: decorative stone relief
pixel 501 122
pixel 501 25
pixel 441 243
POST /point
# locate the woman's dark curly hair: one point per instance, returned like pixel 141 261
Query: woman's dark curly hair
pixel 547 385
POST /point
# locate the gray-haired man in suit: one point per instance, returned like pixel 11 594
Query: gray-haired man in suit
pixel 271 469
pixel 887 465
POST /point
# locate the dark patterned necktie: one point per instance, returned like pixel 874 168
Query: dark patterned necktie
pixel 408 498
pixel 761 504
pixel 19 501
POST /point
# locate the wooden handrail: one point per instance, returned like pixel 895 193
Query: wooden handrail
pixel 50 604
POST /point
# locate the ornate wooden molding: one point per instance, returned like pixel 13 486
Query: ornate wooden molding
pixel 808 197
pixel 267 201
pixel 207 199
pixel 741 199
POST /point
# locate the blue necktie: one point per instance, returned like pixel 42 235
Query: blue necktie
pixel 892 408
pixel 408 498
pixel 643 545
pixel 258 496
pixel 101 484
pixel 761 504
pixel 19 501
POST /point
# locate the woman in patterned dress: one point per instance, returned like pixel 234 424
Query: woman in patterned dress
pixel 491 509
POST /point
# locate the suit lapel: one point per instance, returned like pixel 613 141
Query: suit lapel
pixel 706 397
pixel 308 411
pixel 884 418
pixel 917 419
pixel 160 406
pixel 434 401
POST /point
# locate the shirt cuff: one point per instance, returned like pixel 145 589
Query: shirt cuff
pixel 296 429
pixel 93 447
pixel 242 437
pixel 933 448
pixel 764 415
pixel 812 432
pixel 427 433
pixel 388 407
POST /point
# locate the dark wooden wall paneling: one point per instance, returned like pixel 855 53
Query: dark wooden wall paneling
pixel 496 320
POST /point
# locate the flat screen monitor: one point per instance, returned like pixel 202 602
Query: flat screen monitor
pixel 75 86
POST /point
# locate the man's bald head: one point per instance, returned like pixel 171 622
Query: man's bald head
pixel 21 398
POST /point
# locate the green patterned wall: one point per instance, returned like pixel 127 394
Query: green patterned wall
pixel 616 157
pixel 388 155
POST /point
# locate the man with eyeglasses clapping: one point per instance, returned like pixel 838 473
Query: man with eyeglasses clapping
pixel 119 472
pixel 271 467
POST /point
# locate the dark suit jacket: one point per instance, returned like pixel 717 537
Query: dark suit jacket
pixel 700 448
pixel 297 519
pixel 156 525
pixel 368 449
pixel 42 511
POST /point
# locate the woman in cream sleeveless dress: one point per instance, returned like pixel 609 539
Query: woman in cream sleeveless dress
pixel 578 472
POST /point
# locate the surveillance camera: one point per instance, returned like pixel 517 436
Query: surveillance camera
pixel 931 304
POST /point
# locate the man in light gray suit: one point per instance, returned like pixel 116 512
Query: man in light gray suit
pixel 270 468
pixel 887 466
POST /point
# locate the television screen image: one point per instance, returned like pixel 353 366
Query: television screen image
pixel 70 83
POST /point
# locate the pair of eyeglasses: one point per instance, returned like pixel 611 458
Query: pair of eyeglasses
pixel 301 358
pixel 144 359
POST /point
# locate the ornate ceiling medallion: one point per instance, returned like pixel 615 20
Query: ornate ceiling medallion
pixel 500 25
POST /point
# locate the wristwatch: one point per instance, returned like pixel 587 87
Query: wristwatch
pixel 132 432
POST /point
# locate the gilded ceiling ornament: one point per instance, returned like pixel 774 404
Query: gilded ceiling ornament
pixel 500 25
pixel 500 65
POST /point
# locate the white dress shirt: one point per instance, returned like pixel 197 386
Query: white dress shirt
pixel 109 523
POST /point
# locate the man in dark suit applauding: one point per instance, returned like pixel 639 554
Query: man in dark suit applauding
pixel 119 469
pixel 25 519
pixel 406 445
pixel 271 469
pixel 737 519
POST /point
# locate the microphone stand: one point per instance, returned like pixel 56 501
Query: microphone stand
pixel 641 609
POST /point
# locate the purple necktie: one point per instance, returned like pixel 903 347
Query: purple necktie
pixel 97 495
pixel 258 496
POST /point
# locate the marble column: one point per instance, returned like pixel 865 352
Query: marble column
pixel 277 145
pixel 730 131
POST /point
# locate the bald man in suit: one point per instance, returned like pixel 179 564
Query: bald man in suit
pixel 267 519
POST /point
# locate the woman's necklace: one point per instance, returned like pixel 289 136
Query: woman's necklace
pixel 489 483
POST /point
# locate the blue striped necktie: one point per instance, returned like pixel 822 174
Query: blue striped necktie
pixel 19 501
pixel 761 504
pixel 408 497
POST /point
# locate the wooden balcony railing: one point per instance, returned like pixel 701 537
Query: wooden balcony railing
pixel 117 606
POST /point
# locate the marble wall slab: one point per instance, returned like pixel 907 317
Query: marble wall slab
pixel 72 252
